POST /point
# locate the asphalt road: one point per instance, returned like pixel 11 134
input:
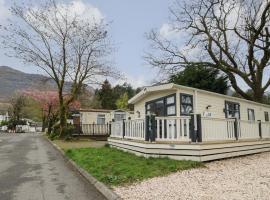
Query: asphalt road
pixel 31 169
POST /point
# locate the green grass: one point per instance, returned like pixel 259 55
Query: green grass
pixel 114 167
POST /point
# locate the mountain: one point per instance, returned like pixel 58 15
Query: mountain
pixel 12 80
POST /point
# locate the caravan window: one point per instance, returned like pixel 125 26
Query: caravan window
pixel 266 116
pixel 100 119
pixel 119 116
pixel 186 101
pixel 232 110
pixel 251 115
pixel 164 106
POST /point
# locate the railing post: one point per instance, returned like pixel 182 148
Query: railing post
pixel 93 128
pixel 109 128
pixel 236 129
pixel 260 128
pixel 147 127
pixel 124 128
pixel 193 134
pixel 199 128
pixel 153 128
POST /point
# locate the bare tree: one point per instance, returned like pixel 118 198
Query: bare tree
pixel 63 44
pixel 229 35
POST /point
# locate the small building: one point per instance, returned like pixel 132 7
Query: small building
pixel 4 116
pixel 102 116
pixel 187 123
pixel 97 121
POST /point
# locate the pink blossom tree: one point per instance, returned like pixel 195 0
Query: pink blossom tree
pixel 49 103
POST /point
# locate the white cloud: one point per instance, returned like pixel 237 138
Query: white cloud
pixel 138 81
pixel 84 11
pixel 168 32
pixel 4 11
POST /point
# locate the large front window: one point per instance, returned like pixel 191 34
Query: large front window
pixel 164 106
pixel 232 110
pixel 186 102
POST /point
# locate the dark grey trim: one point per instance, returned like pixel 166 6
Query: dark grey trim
pixel 227 102
pixel 164 98
pixel 260 128
pixel 236 128
pixel 192 104
pixel 266 116
pixel 124 128
pixel 199 128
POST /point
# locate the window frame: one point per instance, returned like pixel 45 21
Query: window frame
pixel 165 105
pixel 266 113
pixel 253 112
pixel 192 103
pixel 98 118
pixel 231 102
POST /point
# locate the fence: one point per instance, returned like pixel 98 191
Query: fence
pixel 191 129
pixel 233 129
pixel 248 129
pixel 265 126
pixel 95 129
pixel 172 128
pixel 214 129
pixel 135 129
pixel 117 129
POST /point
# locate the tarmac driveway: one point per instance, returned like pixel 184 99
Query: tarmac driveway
pixel 31 169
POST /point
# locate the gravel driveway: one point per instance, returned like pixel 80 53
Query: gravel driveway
pixel 239 178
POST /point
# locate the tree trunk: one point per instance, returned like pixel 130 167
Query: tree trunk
pixel 258 95
pixel 62 117
pixel 43 122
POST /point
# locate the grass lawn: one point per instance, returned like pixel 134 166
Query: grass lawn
pixel 81 143
pixel 114 167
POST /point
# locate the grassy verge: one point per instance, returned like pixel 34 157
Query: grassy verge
pixel 81 143
pixel 114 167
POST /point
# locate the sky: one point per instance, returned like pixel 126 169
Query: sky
pixel 129 22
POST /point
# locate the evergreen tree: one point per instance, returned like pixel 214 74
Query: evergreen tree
pixel 201 77
pixel 106 96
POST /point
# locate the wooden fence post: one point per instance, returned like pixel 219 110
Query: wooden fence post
pixel 110 129
pixel 124 128
pixel 147 128
pixel 199 128
pixel 236 129
pixel 153 128
pixel 260 128
pixel 193 134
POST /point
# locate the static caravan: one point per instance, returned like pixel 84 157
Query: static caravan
pixel 103 116
pixel 180 115
pixel 97 121
pixel 177 100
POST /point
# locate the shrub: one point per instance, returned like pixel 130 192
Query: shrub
pixel 66 135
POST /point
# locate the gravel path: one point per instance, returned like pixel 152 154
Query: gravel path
pixel 246 178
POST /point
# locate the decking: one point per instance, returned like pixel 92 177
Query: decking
pixel 191 138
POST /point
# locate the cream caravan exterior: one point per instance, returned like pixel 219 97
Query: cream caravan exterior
pixel 102 116
pixel 185 101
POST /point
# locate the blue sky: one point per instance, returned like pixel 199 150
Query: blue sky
pixel 130 21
